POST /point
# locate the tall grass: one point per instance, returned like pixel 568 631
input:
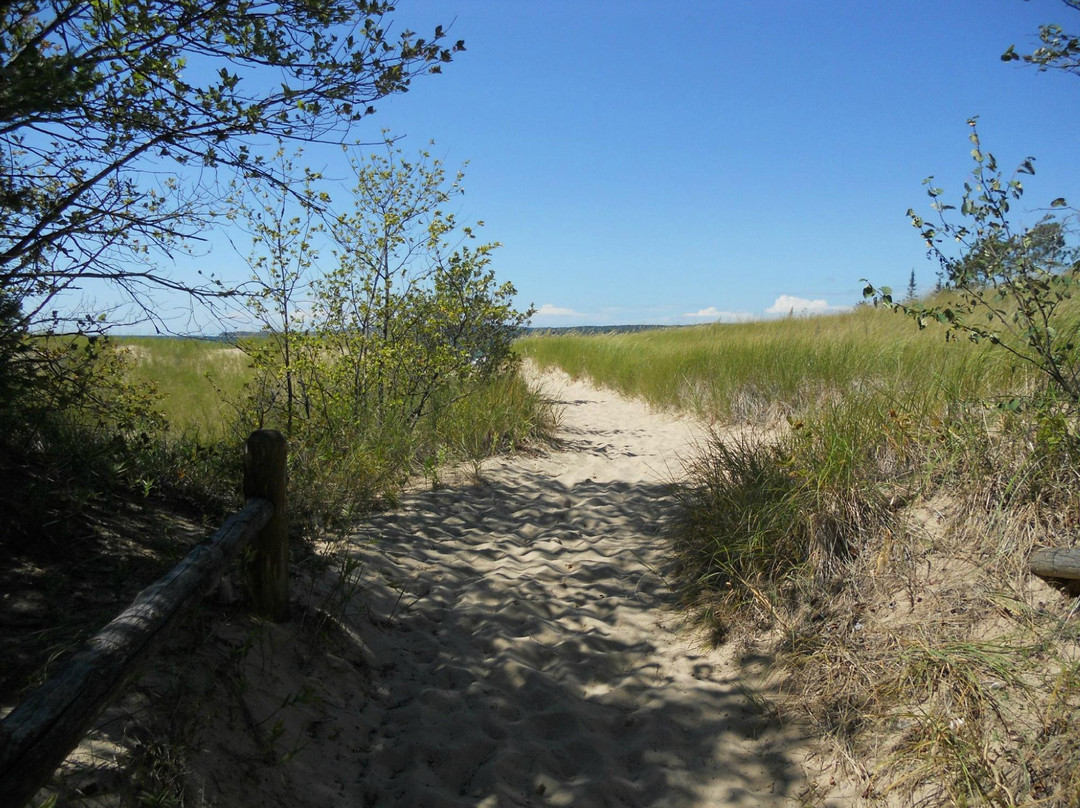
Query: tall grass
pixel 198 380
pixel 771 518
pixel 744 370
pixel 503 414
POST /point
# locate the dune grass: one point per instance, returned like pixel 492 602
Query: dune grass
pixel 203 393
pixel 198 380
pixel 740 370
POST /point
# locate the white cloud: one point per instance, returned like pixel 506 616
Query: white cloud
pixel 549 310
pixel 713 313
pixel 800 305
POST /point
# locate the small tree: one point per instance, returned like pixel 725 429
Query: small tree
pixel 283 230
pixel 1010 286
pixel 410 315
pixel 411 308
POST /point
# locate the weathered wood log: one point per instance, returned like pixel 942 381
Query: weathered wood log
pixel 1056 562
pixel 38 734
pixel 265 477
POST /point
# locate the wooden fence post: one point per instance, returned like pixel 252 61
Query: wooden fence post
pixel 265 476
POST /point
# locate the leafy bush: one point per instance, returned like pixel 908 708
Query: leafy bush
pixel 361 363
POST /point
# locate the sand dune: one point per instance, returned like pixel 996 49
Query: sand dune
pixel 513 645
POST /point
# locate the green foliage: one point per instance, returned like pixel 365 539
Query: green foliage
pixel 13 348
pixel 78 381
pixel 103 104
pixel 1009 287
pixel 359 361
pixel 282 259
pixel 411 305
pixel 1059 50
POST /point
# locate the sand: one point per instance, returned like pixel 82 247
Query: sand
pixel 511 641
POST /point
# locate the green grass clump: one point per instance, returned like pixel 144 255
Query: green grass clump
pixel 502 414
pixel 769 517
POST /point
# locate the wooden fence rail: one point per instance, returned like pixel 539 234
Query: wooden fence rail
pixel 40 732
pixel 1056 562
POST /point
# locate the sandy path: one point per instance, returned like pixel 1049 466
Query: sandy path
pixel 519 649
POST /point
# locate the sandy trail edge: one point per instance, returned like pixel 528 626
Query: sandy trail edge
pixel 513 645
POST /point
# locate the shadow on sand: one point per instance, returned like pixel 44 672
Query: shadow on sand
pixel 525 654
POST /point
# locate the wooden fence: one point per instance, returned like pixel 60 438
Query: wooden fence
pixel 41 731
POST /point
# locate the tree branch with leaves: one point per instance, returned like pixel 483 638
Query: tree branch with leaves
pixel 1004 285
pixel 1059 50
pixel 117 119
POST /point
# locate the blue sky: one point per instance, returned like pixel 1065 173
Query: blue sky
pixel 687 161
